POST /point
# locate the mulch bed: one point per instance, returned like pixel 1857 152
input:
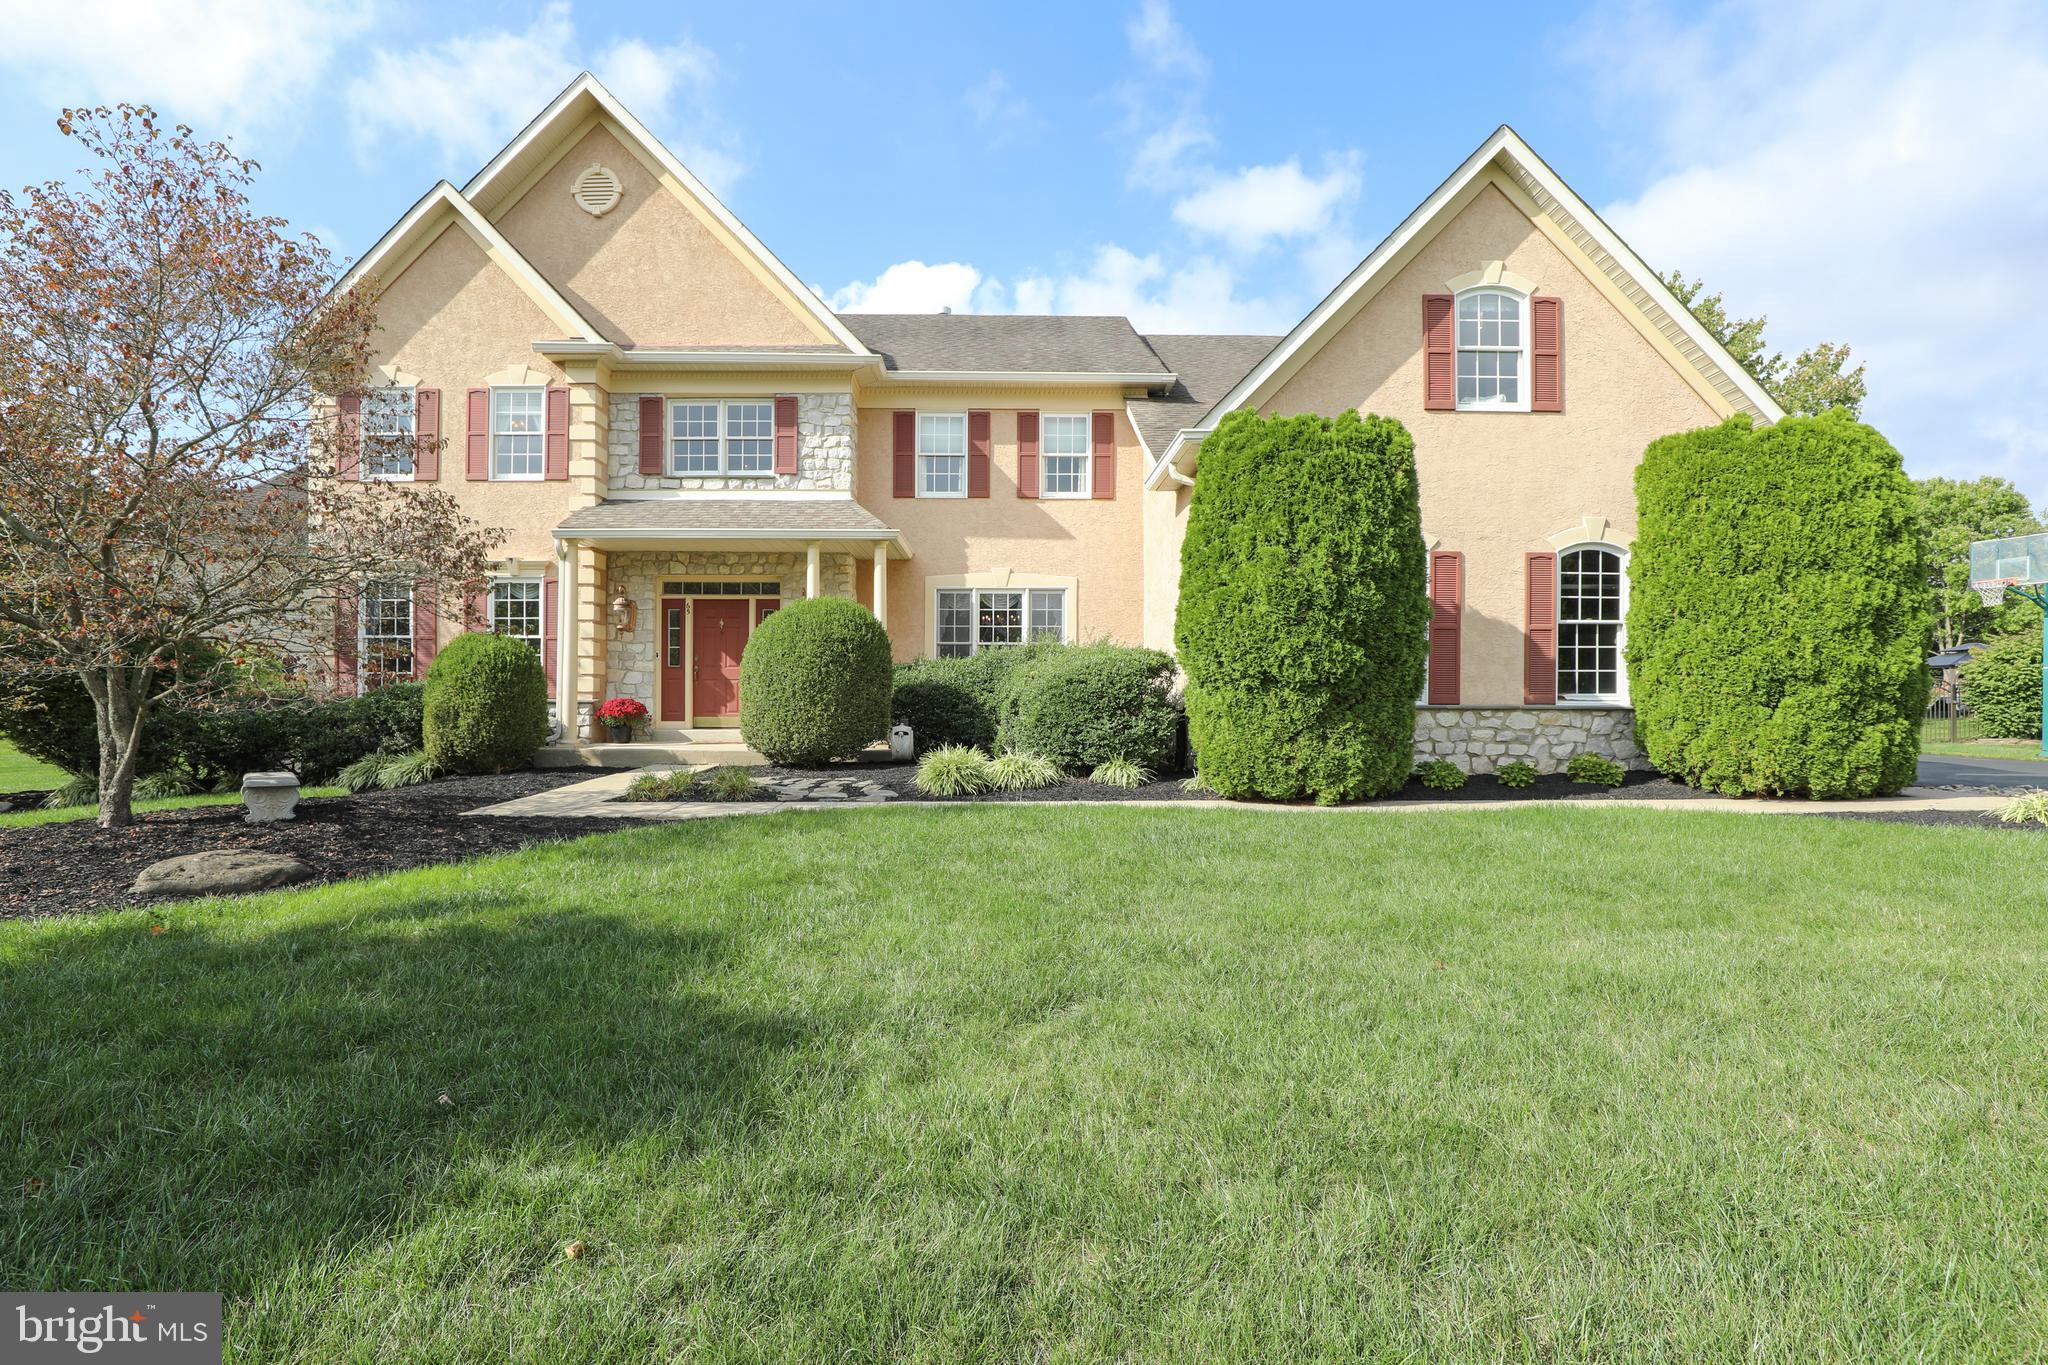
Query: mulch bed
pixel 75 866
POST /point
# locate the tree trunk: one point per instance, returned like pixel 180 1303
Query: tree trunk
pixel 120 699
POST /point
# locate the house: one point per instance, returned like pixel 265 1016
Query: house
pixel 681 435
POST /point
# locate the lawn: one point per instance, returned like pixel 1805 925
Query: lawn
pixel 1068 1084
pixel 20 773
pixel 1986 748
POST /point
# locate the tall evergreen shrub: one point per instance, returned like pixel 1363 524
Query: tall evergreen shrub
pixel 2002 686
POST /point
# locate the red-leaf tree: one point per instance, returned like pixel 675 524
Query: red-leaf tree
pixel 170 364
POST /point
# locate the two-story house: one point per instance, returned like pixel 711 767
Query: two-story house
pixel 681 436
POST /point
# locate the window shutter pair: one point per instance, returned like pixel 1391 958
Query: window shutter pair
pixel 1440 353
pixel 1446 624
pixel 554 439
pixel 426 626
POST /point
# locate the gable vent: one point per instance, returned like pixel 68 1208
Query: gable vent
pixel 596 191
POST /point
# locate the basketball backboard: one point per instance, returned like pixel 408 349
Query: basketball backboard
pixel 2018 561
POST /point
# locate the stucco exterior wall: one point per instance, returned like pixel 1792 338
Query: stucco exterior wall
pixel 1497 485
pixel 1166 527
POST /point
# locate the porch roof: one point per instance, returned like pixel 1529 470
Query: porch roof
pixel 839 525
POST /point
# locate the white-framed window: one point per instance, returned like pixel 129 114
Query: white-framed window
pixel 1065 455
pixel 516 610
pixel 974 619
pixel 518 437
pixel 1592 610
pixel 386 633
pixel 721 436
pixel 942 455
pixel 387 427
pixel 1493 338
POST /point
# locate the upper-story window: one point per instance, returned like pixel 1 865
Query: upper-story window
pixel 942 454
pixel 1064 456
pixel 1492 343
pixel 516 433
pixel 1592 608
pixel 721 436
pixel 387 427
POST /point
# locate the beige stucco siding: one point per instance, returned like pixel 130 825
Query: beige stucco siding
pixel 1094 541
pixel 650 272
pixel 1166 526
pixel 1497 485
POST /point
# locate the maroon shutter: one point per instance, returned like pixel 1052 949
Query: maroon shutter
pixel 1103 444
pixel 1439 352
pixel 1446 624
pixel 903 461
pixel 550 615
pixel 426 627
pixel 477 613
pixel 1539 637
pixel 1546 354
pixel 426 431
pixel 785 434
pixel 555 444
pixel 1027 454
pixel 348 436
pixel 346 610
pixel 978 442
pixel 477 435
pixel 651 433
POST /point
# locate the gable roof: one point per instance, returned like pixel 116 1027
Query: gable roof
pixel 1009 344
pixel 507 174
pixel 1607 256
pixel 1206 367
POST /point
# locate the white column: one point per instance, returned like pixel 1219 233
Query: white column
pixel 565 638
pixel 811 574
pixel 882 582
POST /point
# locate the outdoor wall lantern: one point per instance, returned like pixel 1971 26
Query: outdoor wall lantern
pixel 624 614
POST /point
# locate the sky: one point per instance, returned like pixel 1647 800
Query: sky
pixel 1857 172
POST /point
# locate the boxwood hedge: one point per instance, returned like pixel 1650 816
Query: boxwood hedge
pixel 815 682
pixel 1083 705
pixel 486 704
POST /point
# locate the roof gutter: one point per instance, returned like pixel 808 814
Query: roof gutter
pixel 637 358
pixel 1037 378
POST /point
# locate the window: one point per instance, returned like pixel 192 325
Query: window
pixel 387 434
pixel 1490 340
pixel 1064 457
pixel 719 436
pixel 720 587
pixel 387 633
pixel 1592 594
pixel 516 610
pixel 974 619
pixel 942 454
pixel 516 433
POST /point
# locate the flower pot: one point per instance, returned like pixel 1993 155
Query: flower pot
pixel 621 734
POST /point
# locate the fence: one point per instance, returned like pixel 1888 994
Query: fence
pixel 1948 718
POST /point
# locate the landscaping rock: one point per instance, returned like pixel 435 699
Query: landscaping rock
pixel 220 871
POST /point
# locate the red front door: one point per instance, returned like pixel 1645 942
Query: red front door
pixel 675 661
pixel 718 641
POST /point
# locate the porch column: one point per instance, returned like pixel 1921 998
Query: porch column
pixel 593 626
pixel 811 574
pixel 881 594
pixel 565 638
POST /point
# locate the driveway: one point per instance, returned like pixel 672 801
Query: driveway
pixel 1944 770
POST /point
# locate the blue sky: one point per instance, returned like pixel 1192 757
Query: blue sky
pixel 1855 171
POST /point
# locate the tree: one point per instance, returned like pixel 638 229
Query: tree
pixel 168 360
pixel 1813 383
pixel 1954 512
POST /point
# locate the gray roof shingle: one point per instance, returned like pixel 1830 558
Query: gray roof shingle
pixel 1031 345
pixel 1208 366
pixel 739 515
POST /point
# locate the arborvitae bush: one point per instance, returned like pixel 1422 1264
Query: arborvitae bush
pixel 486 704
pixel 815 682
pixel 2002 686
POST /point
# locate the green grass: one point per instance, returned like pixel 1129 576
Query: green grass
pixel 1068 1084
pixel 20 773
pixel 21 818
pixel 1987 748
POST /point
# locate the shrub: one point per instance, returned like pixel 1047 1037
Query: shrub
pixel 675 786
pixel 78 790
pixel 1079 706
pixel 50 718
pixel 1516 774
pixel 486 708
pixel 219 742
pixel 1302 615
pixel 815 682
pixel 2029 809
pixel 1777 610
pixel 1120 772
pixel 729 782
pixel 1440 774
pixel 2002 686
pixel 952 770
pixel 1593 768
pixel 1011 771
pixel 329 736
pixel 957 701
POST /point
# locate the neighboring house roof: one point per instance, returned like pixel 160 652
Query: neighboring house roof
pixel 1207 367
pixel 998 344
pixel 754 516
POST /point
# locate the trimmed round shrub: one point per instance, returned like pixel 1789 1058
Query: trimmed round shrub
pixel 1080 706
pixel 2002 686
pixel 1778 609
pixel 1303 618
pixel 815 682
pixel 486 704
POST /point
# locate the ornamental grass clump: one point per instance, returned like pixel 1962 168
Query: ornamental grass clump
pixel 729 782
pixel 1011 771
pixel 2031 809
pixel 952 770
pixel 1121 772
pixel 675 786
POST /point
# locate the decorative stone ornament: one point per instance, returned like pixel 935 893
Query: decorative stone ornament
pixel 597 191
pixel 270 796
pixel 902 743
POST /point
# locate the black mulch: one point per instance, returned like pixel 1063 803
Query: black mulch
pixel 75 866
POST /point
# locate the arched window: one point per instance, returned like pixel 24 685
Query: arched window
pixel 1492 343
pixel 1592 605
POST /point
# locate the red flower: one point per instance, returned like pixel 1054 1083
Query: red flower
pixel 621 711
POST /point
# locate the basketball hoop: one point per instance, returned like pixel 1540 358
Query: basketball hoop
pixel 1993 594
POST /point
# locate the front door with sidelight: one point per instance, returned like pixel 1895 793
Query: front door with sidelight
pixel 717 641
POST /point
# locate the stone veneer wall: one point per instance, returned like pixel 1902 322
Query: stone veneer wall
pixel 630 659
pixel 824 458
pixel 1481 739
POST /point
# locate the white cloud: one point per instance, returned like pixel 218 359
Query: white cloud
pixel 225 66
pixel 1260 205
pixel 1901 224
pixel 913 287
pixel 1163 161
pixel 1202 295
pixel 1158 40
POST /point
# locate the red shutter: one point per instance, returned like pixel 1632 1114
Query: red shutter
pixel 550 616
pixel 477 435
pixel 1539 638
pixel 346 610
pixel 785 434
pixel 426 627
pixel 348 436
pixel 477 615
pixel 1103 445
pixel 555 445
pixel 426 431
pixel 903 461
pixel 1027 454
pixel 977 454
pixel 1546 354
pixel 1446 624
pixel 1439 352
pixel 651 433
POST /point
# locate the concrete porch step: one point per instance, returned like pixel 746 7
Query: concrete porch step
pixel 647 754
